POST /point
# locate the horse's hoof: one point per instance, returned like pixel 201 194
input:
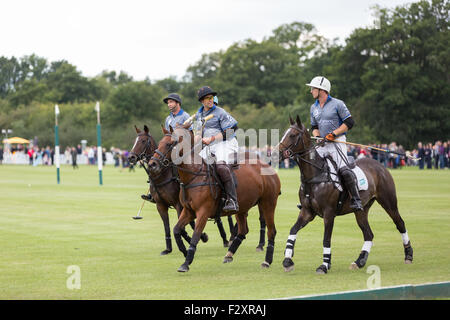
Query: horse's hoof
pixel 260 248
pixel 407 261
pixel 183 268
pixel 353 266
pixel 288 264
pixel 227 259
pixel 265 265
pixel 321 269
pixel 165 252
pixel 204 237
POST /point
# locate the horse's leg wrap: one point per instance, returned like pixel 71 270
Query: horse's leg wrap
pixel 408 252
pixel 269 252
pixel 169 244
pixel 362 259
pixel 185 235
pixel 327 258
pixel 179 241
pixel 289 251
pixel 190 254
pixel 222 232
pixel 236 243
pixel 262 233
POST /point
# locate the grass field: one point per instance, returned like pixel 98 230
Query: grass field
pixel 45 228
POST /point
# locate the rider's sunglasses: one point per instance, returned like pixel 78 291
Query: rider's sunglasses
pixel 209 98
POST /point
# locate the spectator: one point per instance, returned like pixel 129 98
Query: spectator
pixel 31 155
pixel 91 154
pixel 446 154
pixel 74 154
pixel 441 155
pixel 428 155
pixel 421 155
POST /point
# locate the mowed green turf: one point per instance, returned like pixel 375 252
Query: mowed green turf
pixel 45 228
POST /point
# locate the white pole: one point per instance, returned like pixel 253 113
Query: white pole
pixel 99 145
pixel 57 164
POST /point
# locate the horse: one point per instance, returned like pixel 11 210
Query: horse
pixel 164 187
pixel 200 192
pixel 319 196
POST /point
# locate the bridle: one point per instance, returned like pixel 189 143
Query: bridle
pixel 298 156
pixel 163 161
pixel 143 155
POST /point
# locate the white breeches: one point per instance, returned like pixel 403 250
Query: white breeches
pixel 223 150
pixel 330 148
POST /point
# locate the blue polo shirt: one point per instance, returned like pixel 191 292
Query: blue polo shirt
pixel 330 116
pixel 221 121
pixel 179 118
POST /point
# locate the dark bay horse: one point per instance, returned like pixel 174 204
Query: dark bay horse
pixel 164 188
pixel 200 194
pixel 318 196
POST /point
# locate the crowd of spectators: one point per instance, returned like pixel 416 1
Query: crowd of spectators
pixel 429 155
pixel 72 155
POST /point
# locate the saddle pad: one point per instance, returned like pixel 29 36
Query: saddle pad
pixel 363 183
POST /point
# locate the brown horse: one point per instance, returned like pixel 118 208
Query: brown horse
pixel 200 192
pixel 164 187
pixel 319 196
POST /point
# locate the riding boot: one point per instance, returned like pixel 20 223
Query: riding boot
pixel 350 182
pixel 231 203
pixel 148 197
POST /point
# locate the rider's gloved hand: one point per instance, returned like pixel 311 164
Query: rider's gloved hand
pixel 330 137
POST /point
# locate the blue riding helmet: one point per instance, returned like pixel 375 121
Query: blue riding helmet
pixel 204 91
pixel 173 96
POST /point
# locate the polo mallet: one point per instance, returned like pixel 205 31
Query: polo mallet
pixel 370 147
pixel 138 216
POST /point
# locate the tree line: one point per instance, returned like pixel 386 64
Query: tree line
pixel 394 77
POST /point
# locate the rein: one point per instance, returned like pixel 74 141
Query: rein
pixel 297 156
pixel 199 172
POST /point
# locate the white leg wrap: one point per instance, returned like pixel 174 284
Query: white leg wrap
pixel 405 238
pixel 326 257
pixel 367 246
pixel 290 246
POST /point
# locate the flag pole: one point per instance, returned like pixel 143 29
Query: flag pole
pixel 99 145
pixel 57 164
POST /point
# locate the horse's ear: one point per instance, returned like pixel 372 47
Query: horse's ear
pixel 290 119
pixel 145 128
pixel 137 129
pixel 164 130
pixel 299 122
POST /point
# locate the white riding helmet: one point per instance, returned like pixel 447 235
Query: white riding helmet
pixel 320 83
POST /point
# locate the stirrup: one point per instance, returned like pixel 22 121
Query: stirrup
pixel 232 206
pixel 148 198
pixel 357 205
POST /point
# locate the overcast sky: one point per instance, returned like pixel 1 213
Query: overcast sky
pixel 157 39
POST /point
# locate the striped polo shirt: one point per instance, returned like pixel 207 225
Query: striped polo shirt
pixel 330 116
